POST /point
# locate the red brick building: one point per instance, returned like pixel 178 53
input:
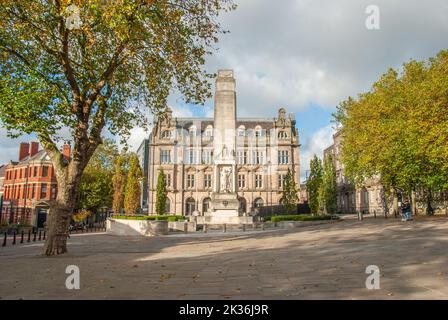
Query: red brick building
pixel 29 186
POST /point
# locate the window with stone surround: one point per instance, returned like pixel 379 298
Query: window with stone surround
pixel 207 181
pixel 258 181
pixel 283 156
pixel 165 156
pixel 207 156
pixel 168 180
pixel 258 157
pixel 241 181
pixel 282 135
pixel 43 191
pixel 44 171
pixel 281 180
pixel 190 180
pixel 241 157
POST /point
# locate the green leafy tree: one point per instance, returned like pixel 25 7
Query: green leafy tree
pixel 313 184
pixel 83 76
pixel 133 186
pixel 161 193
pixel 328 190
pixel 290 193
pixel 96 187
pixel 119 183
pixel 398 131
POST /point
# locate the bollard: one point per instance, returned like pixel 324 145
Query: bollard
pixel 374 214
pixel 29 236
pixel 34 236
pixel 224 227
pixel 4 240
pixel 262 226
pixel 205 228
pixel 21 237
pixel 14 238
pixel 185 227
pixel 244 227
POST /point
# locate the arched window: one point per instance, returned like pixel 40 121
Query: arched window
pixel 258 131
pixel 192 131
pixel 241 132
pixel 282 135
pixel 166 134
pixel 243 205
pixel 190 206
pixel 167 206
pixel 208 131
pixel 258 203
pixel 206 205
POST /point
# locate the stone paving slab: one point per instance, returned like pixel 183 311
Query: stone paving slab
pixel 316 262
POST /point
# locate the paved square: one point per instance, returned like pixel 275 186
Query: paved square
pixel 316 262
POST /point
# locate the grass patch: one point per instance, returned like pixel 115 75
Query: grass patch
pixel 298 218
pixel 150 218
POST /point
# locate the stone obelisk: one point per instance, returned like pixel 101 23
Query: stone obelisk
pixel 224 198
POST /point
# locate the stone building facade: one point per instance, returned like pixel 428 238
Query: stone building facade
pixel 185 148
pixel 350 199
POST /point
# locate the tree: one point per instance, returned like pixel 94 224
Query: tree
pixel 119 183
pixel 84 77
pixel 398 131
pixel 290 193
pixel 328 190
pixel 96 187
pixel 161 193
pixel 313 184
pixel 133 186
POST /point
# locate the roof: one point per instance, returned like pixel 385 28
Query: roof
pixel 266 123
pixel 39 156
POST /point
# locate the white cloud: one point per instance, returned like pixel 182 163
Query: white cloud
pixel 315 145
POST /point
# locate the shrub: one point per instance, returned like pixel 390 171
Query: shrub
pixel 150 218
pixel 299 218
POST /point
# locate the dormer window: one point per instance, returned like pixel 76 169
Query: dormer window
pixel 208 131
pixel 241 132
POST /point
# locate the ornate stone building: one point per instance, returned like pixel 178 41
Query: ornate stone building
pixel 256 153
pixel 366 199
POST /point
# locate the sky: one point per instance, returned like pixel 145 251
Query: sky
pixel 307 56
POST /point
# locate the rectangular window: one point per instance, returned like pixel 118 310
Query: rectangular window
pixel 241 157
pixel 207 156
pixel 258 181
pixel 283 157
pixel 207 181
pixel 258 157
pixel 281 180
pixel 43 191
pixel 241 181
pixel 168 180
pixel 53 191
pixel 33 191
pixel 35 172
pixel 190 180
pixel 165 156
pixel 191 157
pixel 44 171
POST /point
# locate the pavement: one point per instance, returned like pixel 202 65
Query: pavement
pixel 325 261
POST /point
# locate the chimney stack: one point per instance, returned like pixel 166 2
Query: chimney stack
pixel 34 148
pixel 24 150
pixel 66 150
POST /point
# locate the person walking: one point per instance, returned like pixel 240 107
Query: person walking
pixel 406 211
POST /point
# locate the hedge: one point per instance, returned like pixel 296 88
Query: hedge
pixel 297 218
pixel 150 218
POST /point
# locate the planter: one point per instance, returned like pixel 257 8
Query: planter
pixel 127 227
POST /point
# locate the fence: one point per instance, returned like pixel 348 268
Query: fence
pixel 41 235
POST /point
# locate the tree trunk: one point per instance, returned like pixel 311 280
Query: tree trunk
pixel 59 217
pixel 414 203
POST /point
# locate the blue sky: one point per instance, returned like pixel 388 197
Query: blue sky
pixel 308 56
